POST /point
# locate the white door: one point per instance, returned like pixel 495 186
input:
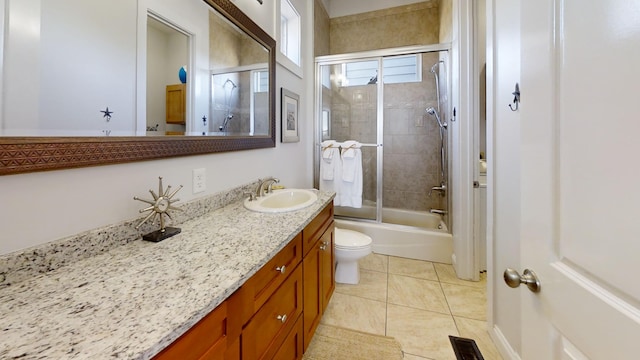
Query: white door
pixel 580 178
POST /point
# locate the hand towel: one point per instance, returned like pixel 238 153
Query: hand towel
pixel 351 160
pixel 327 165
pixel 350 189
pixel 330 169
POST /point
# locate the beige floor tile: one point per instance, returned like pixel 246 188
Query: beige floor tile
pixel 447 274
pixel 417 293
pixel 477 330
pixel 421 333
pixel 414 268
pixel 356 313
pixel 372 285
pixel 374 262
pixel 466 301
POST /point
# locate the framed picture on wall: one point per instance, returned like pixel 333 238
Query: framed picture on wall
pixel 289 117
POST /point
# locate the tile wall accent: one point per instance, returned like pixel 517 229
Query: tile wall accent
pixel 414 24
pixel 321 29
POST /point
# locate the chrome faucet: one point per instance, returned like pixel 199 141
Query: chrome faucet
pixel 442 188
pixel 438 211
pixel 261 183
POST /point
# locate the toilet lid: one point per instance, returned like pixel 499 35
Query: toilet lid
pixel 351 239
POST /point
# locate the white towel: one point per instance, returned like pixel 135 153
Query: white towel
pixel 331 169
pixel 351 160
pixel 351 187
pixel 329 149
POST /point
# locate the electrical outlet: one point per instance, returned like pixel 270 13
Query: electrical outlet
pixel 199 180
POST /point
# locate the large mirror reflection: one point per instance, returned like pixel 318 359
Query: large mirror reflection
pixel 131 68
pixel 84 83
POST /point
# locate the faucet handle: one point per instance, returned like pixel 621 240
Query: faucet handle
pixel 252 195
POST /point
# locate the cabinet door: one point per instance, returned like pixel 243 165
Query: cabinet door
pixel 327 266
pixel 176 99
pixel 263 335
pixel 291 348
pixel 312 294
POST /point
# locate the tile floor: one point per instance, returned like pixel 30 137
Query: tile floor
pixel 417 302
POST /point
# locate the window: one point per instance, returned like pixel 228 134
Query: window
pixel 401 69
pixel 260 81
pixel 325 76
pixel 290 31
pixel 396 69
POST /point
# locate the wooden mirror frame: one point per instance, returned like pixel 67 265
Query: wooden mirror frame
pixel 29 154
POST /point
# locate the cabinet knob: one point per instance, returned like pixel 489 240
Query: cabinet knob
pixel 281 269
pixel 282 318
pixel 324 245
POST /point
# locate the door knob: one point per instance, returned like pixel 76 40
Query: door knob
pixel 513 279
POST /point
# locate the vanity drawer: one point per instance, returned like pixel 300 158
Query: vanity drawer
pixel 292 347
pixel 261 285
pixel 268 329
pixel 314 230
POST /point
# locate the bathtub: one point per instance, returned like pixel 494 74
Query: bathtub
pixel 404 233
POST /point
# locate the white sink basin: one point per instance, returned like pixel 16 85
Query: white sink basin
pixel 282 201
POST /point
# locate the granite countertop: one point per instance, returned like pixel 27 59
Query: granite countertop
pixel 134 300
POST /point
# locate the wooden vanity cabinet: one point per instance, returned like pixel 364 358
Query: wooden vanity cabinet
pixel 274 314
pixel 318 270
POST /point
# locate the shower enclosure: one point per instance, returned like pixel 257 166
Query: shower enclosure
pixel 394 102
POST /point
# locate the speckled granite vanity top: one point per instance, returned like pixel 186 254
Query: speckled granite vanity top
pixel 134 300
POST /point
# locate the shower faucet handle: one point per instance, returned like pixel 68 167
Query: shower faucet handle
pixel 442 188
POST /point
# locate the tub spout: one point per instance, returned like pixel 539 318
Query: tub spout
pixel 438 211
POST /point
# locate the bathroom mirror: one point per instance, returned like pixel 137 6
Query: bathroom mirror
pixel 249 108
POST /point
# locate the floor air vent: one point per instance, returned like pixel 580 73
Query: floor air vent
pixel 465 349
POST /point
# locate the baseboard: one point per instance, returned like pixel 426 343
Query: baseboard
pixel 503 346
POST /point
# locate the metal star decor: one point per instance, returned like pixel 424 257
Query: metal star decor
pixel 160 205
pixel 107 113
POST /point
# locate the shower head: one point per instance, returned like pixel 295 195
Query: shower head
pixel 433 68
pixel 432 111
pixel 232 84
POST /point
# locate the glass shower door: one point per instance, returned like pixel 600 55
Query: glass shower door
pixel 412 142
pixel 349 106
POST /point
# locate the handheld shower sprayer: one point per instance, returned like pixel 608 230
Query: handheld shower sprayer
pixel 432 111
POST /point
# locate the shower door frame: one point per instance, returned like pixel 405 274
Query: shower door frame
pixel 364 55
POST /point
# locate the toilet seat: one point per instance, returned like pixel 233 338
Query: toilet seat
pixel 351 240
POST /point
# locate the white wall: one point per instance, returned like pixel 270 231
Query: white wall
pixel 39 37
pixel 45 206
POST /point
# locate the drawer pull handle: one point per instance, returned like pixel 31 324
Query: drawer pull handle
pixel 281 269
pixel 282 318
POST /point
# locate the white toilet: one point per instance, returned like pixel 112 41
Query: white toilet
pixel 350 246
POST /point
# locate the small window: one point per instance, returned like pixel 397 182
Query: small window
pixel 260 81
pixel 396 69
pixel 325 76
pixel 290 31
pixel 401 69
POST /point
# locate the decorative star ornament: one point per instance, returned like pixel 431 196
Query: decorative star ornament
pixel 107 113
pixel 160 205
